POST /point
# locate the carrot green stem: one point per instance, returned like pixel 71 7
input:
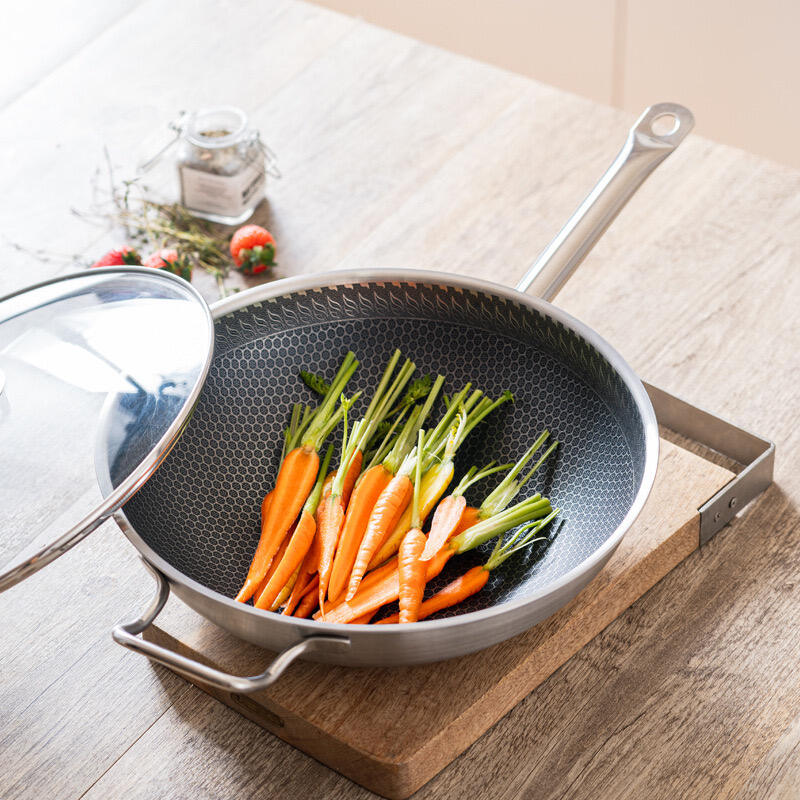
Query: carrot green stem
pixel 319 427
pixel 312 502
pixel 386 445
pixel 378 397
pixel 349 447
pixel 524 537
pixel 419 389
pixel 337 417
pixel 473 475
pixel 301 415
pixel 415 520
pixel 485 411
pixel 535 467
pixel 509 487
pixel 383 399
pixel 399 453
pixel 477 410
pixel 532 508
pixel 437 438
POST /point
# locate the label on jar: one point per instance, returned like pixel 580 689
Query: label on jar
pixel 227 195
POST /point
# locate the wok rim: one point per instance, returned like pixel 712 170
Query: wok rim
pixel 594 562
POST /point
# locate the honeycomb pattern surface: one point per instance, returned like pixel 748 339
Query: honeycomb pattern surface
pixel 201 509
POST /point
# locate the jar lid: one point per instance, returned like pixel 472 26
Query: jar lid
pixel 99 373
pixel 217 127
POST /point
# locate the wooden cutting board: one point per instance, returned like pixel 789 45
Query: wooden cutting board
pixel 392 730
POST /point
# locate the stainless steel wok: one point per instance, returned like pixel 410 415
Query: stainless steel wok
pixel 195 520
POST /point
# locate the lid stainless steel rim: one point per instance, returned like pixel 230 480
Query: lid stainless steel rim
pixel 139 474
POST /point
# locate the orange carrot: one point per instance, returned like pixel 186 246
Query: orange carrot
pixel 288 568
pixel 475 579
pixel 363 620
pixel 265 504
pixel 383 591
pixel 471 582
pixel 296 477
pixel 328 482
pixel 370 579
pixel 364 497
pixel 298 590
pixel 283 594
pixel 352 458
pixel 469 516
pixel 293 556
pixel 272 567
pixel 411 572
pixel 350 478
pixel 387 511
pixel 307 605
pixel 332 508
pixel 445 522
pixel 330 526
pixel 394 499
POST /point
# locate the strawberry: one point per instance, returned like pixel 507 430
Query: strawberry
pixel 117 258
pixel 168 259
pixel 253 249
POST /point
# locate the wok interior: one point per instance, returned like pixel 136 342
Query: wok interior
pixel 201 510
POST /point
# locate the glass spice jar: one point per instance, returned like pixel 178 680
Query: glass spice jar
pixel 222 165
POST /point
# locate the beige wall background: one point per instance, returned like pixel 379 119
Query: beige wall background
pixel 735 63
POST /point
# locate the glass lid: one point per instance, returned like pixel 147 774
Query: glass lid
pixel 99 373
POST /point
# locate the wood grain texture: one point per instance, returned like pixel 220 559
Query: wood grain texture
pixel 361 723
pixel 399 154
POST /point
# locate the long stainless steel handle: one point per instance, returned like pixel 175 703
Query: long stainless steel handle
pixel 127 635
pixel 659 130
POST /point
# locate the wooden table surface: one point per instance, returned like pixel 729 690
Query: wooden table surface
pixel 398 154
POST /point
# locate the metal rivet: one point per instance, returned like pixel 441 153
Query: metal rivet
pixel 717 516
pixel 733 503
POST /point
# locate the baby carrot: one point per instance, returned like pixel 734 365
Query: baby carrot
pixel 265 504
pixel 331 512
pixel 353 471
pixel 333 507
pixel 445 521
pixel 294 600
pixel 475 579
pixel 298 544
pixel 298 590
pixel 364 497
pixel 437 466
pixel 383 517
pixel 382 591
pixel 285 591
pixel 410 570
pixel 393 500
pixel 469 516
pixel 296 477
pixel 451 512
pixel 307 605
pixel 460 589
pixel 272 567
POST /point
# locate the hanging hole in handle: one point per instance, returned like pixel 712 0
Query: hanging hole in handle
pixel 665 124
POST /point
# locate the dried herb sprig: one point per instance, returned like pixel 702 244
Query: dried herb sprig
pixel 151 224
pixel 155 224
